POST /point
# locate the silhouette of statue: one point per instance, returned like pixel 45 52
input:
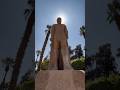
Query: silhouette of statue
pixel 59 56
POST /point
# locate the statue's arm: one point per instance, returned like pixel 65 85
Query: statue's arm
pixel 66 32
pixel 52 31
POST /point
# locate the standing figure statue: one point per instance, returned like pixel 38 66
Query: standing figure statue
pixel 59 56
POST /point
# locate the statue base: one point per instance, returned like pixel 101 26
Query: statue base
pixel 60 80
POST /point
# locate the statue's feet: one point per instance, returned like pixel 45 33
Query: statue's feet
pixel 68 67
pixel 52 67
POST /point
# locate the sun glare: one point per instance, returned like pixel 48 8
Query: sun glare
pixel 63 18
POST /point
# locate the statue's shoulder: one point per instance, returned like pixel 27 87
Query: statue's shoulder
pixel 54 25
pixel 64 25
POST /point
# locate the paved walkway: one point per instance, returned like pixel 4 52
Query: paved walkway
pixel 60 80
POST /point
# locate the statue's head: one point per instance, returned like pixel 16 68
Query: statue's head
pixel 59 20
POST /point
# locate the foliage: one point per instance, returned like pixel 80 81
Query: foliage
pixel 38 52
pixel 70 50
pixel 27 81
pixel 27 85
pixel 89 60
pixel 8 62
pixel 105 62
pixel 76 53
pixel 114 13
pixel 82 31
pixel 44 65
pixel 101 83
pixel 78 64
pixel 113 9
pixel 27 76
pixel 118 52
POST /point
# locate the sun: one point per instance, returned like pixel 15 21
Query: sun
pixel 63 18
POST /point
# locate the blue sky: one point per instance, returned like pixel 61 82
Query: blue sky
pixel 47 11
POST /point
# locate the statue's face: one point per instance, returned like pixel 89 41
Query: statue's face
pixel 59 20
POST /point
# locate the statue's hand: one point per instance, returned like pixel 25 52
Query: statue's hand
pixel 51 39
pixel 67 37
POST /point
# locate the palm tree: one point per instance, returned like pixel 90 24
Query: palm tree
pixel 23 44
pixel 114 13
pixel 82 31
pixel 44 46
pixel 118 54
pixel 38 52
pixel 8 62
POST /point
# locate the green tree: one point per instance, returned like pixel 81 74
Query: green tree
pixel 8 62
pixel 105 62
pixel 75 53
pixel 78 51
pixel 79 63
pixel 23 44
pixel 112 83
pixel 89 61
pixel 44 65
pixel 114 13
pixel 118 52
pixel 71 51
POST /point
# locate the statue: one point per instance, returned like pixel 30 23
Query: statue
pixel 59 56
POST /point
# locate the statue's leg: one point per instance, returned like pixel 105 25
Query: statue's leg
pixel 52 62
pixel 60 60
pixel 65 55
pixel 53 56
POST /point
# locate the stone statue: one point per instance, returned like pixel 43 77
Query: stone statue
pixel 59 56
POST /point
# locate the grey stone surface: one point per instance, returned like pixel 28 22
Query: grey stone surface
pixel 60 80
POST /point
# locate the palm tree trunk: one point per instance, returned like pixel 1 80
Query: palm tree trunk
pixel 43 49
pixel 84 35
pixel 21 51
pixel 6 71
pixel 117 20
pixel 2 85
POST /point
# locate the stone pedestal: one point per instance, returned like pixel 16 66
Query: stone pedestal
pixel 60 80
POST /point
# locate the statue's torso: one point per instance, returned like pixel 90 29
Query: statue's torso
pixel 59 32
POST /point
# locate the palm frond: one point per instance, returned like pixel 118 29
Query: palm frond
pixel 26 13
pixel 82 31
pixel 8 61
pixel 31 3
